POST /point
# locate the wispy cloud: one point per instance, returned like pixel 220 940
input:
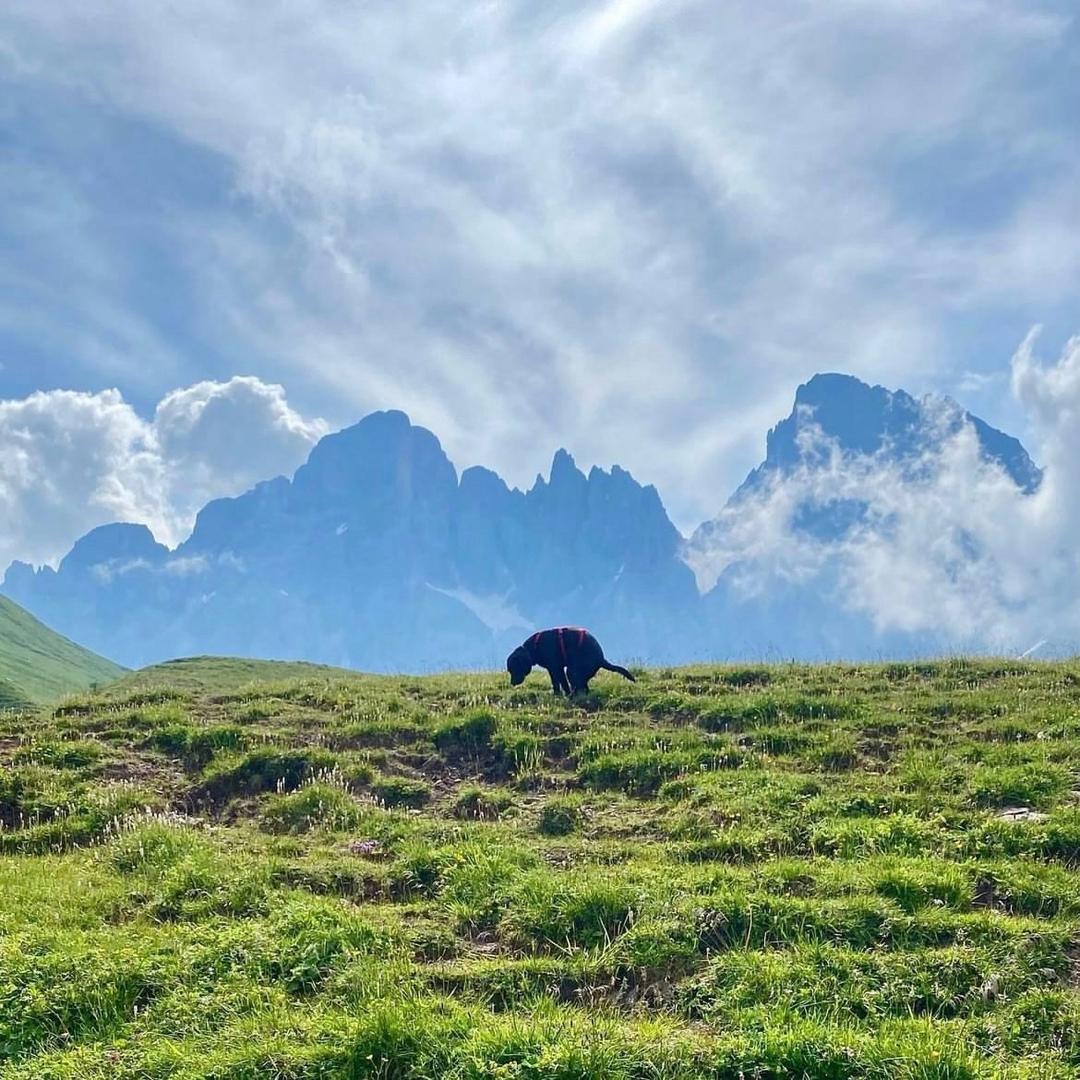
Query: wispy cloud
pixel 532 225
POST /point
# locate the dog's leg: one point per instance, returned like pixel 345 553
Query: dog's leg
pixel 579 679
pixel 568 687
pixel 558 677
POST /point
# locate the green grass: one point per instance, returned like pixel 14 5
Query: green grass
pixel 209 675
pixel 229 870
pixel 11 697
pixel 38 665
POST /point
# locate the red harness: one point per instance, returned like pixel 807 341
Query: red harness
pixel 535 640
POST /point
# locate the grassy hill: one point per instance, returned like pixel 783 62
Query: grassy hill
pixel 39 665
pixel 13 698
pixel 780 872
pixel 209 675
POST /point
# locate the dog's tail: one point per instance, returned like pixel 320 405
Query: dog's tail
pixel 608 666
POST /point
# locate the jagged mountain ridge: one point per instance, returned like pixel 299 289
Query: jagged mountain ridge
pixel 868 420
pixel 377 555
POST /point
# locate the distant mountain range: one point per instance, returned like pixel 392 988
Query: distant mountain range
pixel 377 555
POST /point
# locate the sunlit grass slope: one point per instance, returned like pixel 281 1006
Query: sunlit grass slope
pixel 781 872
pixel 11 697
pixel 209 675
pixel 41 665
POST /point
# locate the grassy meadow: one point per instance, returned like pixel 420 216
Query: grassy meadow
pixel 231 870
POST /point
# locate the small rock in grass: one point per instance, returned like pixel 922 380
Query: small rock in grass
pixel 1021 813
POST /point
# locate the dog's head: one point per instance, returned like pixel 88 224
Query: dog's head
pixel 519 664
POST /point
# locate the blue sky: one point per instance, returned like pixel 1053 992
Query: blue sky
pixel 629 228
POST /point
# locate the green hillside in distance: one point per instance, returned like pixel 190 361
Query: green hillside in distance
pixel 223 869
pixel 221 675
pixel 39 665
pixel 11 697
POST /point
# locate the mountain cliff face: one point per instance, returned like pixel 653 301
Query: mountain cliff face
pixel 862 420
pixel 377 555
pixel 841 423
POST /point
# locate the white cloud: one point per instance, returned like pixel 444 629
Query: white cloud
pixel 71 461
pixel 235 434
pixel 949 546
pixel 532 225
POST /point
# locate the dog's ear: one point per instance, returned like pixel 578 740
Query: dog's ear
pixel 519 663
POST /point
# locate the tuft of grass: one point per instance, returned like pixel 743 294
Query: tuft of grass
pixel 560 815
pixel 197 746
pixel 471 734
pixel 482 804
pixel 317 804
pixel 265 768
pixel 401 791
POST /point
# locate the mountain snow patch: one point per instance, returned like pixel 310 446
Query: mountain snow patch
pixel 493 611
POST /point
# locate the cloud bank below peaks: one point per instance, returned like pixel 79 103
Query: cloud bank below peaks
pixel 944 546
pixel 70 461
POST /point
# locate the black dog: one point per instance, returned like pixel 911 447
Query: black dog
pixel 571 656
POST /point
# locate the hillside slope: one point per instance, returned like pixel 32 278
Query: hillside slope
pixel 220 675
pixel 714 873
pixel 11 697
pixel 39 665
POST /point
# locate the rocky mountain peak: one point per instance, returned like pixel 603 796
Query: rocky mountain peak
pixel 865 420
pixel 110 543
pixel 382 464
